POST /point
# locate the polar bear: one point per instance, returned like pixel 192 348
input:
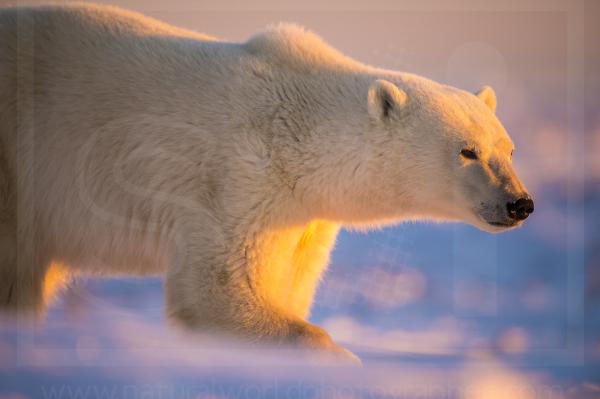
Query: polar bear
pixel 128 146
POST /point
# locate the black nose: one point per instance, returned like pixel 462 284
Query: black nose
pixel 520 209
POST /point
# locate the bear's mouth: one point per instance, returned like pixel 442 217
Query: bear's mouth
pixel 501 224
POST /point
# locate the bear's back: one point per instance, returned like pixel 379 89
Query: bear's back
pixel 85 18
pixel 42 35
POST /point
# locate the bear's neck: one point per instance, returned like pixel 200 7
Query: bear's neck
pixel 320 143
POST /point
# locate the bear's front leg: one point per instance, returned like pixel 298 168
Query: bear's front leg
pixel 309 336
pixel 212 291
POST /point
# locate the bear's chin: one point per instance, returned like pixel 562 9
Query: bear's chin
pixel 496 227
pixel 493 226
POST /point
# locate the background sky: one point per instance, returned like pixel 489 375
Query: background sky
pixel 434 310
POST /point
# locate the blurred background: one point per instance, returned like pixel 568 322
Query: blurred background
pixel 434 310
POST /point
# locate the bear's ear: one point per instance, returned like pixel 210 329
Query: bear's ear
pixel 385 99
pixel 488 96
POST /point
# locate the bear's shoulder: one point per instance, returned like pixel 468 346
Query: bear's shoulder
pixel 293 44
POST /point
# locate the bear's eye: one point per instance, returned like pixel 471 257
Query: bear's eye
pixel 469 154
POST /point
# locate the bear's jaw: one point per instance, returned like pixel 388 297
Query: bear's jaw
pixel 501 224
pixel 499 227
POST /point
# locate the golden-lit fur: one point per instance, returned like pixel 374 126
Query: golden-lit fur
pixel 57 276
pixel 297 256
pixel 128 146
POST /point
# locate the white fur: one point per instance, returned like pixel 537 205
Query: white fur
pixel 132 147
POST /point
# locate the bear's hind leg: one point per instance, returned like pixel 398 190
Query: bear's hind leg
pixel 21 278
pixel 8 260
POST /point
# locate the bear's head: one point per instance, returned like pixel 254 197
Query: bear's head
pixel 450 152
